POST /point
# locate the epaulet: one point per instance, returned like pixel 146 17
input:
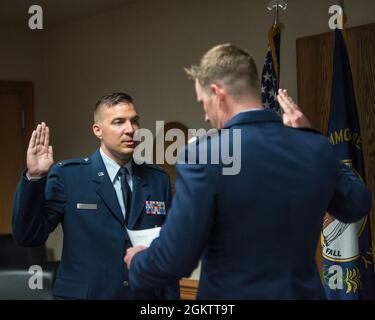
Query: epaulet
pixel 68 162
pixel 154 167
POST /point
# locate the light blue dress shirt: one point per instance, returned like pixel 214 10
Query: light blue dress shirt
pixel 113 172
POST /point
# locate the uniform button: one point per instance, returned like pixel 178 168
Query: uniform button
pixel 125 284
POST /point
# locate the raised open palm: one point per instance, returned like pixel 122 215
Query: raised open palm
pixel 39 153
pixel 292 115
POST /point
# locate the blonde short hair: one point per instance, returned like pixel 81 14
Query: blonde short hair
pixel 230 66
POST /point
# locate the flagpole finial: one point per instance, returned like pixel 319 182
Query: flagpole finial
pixel 277 5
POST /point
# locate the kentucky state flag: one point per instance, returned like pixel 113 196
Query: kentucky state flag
pixel 271 69
pixel 347 253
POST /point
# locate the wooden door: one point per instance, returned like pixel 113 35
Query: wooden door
pixel 315 65
pixel 16 112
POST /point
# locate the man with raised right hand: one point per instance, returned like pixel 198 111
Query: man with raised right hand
pixel 96 199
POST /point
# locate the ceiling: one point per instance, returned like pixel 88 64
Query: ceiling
pixel 14 13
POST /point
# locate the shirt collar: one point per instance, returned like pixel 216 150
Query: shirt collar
pixel 113 167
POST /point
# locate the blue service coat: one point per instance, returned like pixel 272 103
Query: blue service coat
pixel 95 237
pixel 256 231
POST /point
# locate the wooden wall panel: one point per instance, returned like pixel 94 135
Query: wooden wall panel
pixel 16 107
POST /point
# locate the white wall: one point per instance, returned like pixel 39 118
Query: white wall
pixel 142 49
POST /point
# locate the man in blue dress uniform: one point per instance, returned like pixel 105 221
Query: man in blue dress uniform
pixel 96 199
pixel 255 230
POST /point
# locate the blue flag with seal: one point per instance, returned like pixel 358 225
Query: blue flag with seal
pixel 271 69
pixel 348 272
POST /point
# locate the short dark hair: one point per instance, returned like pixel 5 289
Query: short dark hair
pixel 111 100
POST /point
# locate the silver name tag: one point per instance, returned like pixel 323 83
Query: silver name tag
pixel 87 206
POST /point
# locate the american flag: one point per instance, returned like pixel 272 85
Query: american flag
pixel 271 70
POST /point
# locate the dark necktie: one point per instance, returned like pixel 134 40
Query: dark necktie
pixel 126 192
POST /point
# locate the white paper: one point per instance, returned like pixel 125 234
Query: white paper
pixel 143 237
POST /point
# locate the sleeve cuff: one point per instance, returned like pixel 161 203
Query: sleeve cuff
pixel 33 178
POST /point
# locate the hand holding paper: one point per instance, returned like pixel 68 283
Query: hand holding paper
pixel 130 254
pixel 141 240
pixel 143 237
